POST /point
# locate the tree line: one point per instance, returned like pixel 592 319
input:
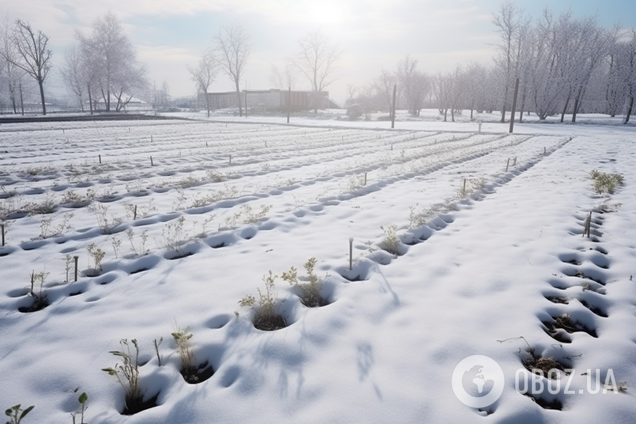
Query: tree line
pixel 563 65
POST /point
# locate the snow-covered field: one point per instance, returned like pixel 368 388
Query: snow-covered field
pixel 190 216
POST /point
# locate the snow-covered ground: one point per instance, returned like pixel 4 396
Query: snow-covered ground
pixel 491 247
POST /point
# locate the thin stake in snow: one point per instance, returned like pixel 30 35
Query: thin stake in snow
pixel 100 159
pixel 587 225
pixel 393 108
pixel 350 253
pixel 151 162
pixel 76 259
pixel 288 103
pixel 507 164
pixel 514 162
pixel 365 178
pixel 2 226
pixel 464 188
pixel 135 213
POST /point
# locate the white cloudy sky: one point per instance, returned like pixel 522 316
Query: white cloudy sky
pixel 169 34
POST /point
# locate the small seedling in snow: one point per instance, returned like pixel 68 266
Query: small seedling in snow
pixel 40 299
pixel 266 318
pixel 157 344
pixel 83 398
pixel 182 339
pixel 310 290
pixel 391 241
pixel 15 413
pixel 127 373
pixel 98 255
pixel 604 182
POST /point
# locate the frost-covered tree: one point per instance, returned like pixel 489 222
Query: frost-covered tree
pixel 414 85
pixel 507 21
pixel 29 53
pixel 73 73
pixel 204 74
pixel 317 61
pixel 111 61
pixel 233 45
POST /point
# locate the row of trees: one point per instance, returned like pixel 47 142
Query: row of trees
pixel 24 53
pixel 102 67
pixel 563 64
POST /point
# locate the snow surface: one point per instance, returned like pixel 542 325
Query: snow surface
pixel 472 271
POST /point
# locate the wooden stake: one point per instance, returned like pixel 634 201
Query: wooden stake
pixel 350 253
pixel 288 103
pixel 507 164
pixel 587 225
pixel 135 213
pixel 151 163
pixel 76 259
pixel 2 226
pixel 100 159
pixel 514 106
pixel 393 112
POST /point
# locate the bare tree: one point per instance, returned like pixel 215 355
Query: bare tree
pixel 9 54
pixel 352 90
pixel 233 44
pixel 414 85
pixel 32 55
pixel 317 60
pixel 383 85
pixel 204 74
pixel 507 21
pixel 112 61
pixel 283 79
pixel 73 74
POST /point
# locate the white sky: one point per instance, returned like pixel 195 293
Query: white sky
pixel 169 34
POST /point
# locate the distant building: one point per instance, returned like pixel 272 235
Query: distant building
pixel 272 99
pixel 133 103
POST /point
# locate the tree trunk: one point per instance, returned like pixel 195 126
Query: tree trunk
pixel 238 96
pixel 453 114
pixel 523 102
pixel 629 110
pixel 207 102
pixel 42 96
pixel 567 101
pixel 503 107
pixel 90 99
pixel 577 104
pixel 445 114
